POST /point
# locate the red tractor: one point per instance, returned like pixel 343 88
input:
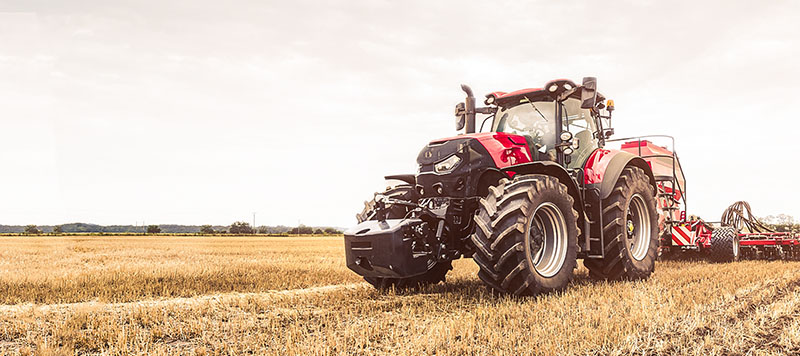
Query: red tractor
pixel 525 200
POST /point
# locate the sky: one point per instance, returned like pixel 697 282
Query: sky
pixel 205 112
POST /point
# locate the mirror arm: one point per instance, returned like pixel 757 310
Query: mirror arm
pixel 599 133
pixel 608 131
pixel 487 110
pixel 564 95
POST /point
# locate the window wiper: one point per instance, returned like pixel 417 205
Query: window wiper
pixel 535 108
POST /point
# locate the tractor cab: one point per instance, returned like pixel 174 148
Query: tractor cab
pixel 560 122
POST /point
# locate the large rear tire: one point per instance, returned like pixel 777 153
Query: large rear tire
pixel 396 211
pixel 724 245
pixel 526 236
pixel 630 231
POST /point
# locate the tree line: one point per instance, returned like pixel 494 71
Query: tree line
pixel 782 223
pixel 237 228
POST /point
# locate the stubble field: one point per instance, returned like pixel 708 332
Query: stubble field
pixel 294 296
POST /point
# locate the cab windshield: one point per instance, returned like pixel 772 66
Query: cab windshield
pixel 536 121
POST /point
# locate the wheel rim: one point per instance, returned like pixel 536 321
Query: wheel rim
pixel 637 228
pixel 546 240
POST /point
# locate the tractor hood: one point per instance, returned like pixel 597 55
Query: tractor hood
pixel 452 166
pixel 504 149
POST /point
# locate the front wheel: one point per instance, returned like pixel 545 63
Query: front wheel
pixel 630 230
pixel 526 236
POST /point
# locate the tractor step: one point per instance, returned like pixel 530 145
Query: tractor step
pixel 595 244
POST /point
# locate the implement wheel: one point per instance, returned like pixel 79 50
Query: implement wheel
pixel 630 231
pixel 526 236
pixel 724 245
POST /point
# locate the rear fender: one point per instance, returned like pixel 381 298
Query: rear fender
pixel 603 168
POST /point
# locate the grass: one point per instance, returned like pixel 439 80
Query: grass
pixel 204 296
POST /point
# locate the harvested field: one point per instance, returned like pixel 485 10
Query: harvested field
pixel 122 269
pixel 218 295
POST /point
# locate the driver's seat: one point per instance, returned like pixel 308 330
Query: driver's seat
pixel 532 147
pixel 585 148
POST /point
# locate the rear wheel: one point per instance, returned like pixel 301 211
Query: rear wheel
pixel 396 211
pixel 630 231
pixel 724 245
pixel 526 236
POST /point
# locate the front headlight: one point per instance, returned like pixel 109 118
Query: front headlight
pixel 447 165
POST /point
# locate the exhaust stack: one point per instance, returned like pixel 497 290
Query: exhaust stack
pixel 469 109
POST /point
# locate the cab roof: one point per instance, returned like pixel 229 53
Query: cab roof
pixel 538 94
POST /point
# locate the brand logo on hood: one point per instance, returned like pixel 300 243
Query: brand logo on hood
pixel 428 154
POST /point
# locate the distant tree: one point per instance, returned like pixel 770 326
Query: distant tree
pixel 58 230
pixel 206 229
pixel 81 227
pixel 332 231
pixel 780 219
pixel 32 230
pixel 318 232
pixel 153 229
pixel 263 230
pixel 781 223
pixel 241 228
pixel 302 230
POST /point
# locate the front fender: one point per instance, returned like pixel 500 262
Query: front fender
pixel 407 178
pixel 552 169
pixel 603 168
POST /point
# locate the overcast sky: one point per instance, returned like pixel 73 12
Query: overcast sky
pixel 195 112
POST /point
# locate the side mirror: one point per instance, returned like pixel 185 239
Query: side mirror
pixel 589 93
pixel 460 116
